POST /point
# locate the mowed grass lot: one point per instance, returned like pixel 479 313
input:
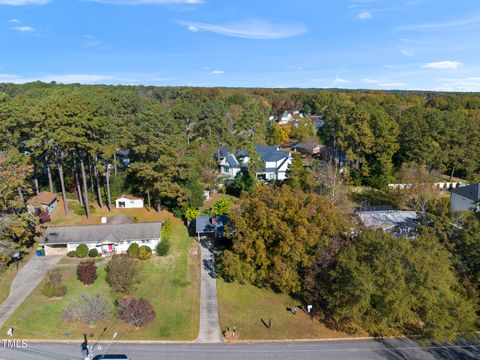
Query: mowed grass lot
pixel 58 218
pixel 244 306
pixel 170 284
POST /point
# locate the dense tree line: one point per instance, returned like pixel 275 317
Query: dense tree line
pixel 68 139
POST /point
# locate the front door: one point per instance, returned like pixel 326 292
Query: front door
pixel 110 247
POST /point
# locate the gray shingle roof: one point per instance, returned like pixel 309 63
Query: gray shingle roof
pixel 305 146
pixel 471 192
pixel 203 224
pixel 232 161
pixel 101 233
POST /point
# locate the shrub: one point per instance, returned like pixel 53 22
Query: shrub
pixel 163 247
pixel 43 217
pixel 132 250
pixel 144 253
pixel 87 272
pixel 88 308
pixel 81 251
pixel 49 291
pixel 137 312
pixel 54 287
pixel 93 253
pixel 167 230
pixel 80 210
pixel 221 207
pixel 122 272
pixel 72 254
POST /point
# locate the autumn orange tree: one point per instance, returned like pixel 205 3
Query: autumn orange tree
pixel 276 234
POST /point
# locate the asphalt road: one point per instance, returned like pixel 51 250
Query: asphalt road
pixel 368 349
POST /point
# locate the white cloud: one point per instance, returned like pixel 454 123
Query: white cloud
pixel 471 83
pixel 365 15
pixel 125 79
pixel 77 78
pixel 24 28
pixel 370 81
pixel 90 41
pixel 64 79
pixel 15 21
pixel 447 64
pixel 392 84
pixel 147 2
pixel 406 53
pixel 443 25
pixel 24 2
pixel 218 72
pixel 253 29
pixel 341 81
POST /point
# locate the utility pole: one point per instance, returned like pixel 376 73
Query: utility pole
pixel 91 349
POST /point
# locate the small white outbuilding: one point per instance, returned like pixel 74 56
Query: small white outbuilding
pixel 128 202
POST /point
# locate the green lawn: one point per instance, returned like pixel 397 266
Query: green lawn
pixel 244 306
pixel 6 279
pixel 171 284
pixel 8 275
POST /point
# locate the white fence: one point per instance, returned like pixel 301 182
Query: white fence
pixel 440 185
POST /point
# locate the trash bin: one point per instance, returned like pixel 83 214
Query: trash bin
pixel 40 251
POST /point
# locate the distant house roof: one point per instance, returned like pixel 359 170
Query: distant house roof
pixel 120 219
pixel 306 147
pixel 387 220
pixel 207 224
pixel 270 153
pixel 98 234
pixel 232 161
pixel 129 197
pixel 471 192
pixel 223 151
pixel 42 198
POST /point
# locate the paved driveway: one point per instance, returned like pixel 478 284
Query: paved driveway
pixel 209 325
pixel 27 279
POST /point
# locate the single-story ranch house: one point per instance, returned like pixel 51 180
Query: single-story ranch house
pixel 106 238
pixel 128 202
pixel 44 201
pixel 210 226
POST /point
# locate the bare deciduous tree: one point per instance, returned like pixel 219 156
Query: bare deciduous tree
pixel 137 312
pixel 88 309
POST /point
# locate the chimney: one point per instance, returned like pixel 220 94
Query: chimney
pixel 212 220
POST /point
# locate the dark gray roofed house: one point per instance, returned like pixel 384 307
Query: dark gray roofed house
pixel 212 226
pixel 106 238
pixel 465 198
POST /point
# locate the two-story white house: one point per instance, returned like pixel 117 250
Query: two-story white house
pixel 275 162
pixel 286 118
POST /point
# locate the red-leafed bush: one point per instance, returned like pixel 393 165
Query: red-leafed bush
pixel 137 312
pixel 87 272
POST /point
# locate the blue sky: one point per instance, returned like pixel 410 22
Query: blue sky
pixel 374 44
